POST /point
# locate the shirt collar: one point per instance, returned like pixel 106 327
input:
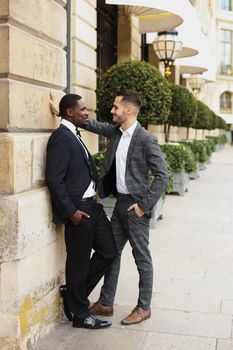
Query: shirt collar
pixel 130 130
pixel 69 125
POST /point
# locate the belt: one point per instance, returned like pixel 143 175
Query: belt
pixel 88 199
pixel 124 196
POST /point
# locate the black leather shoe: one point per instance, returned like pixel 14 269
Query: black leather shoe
pixel 90 322
pixel 63 294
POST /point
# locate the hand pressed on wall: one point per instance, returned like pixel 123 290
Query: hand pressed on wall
pixel 54 110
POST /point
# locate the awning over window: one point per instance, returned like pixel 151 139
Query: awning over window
pixel 154 15
pixel 189 32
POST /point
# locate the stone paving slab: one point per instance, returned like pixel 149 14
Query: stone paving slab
pixel 227 306
pixel 158 341
pixel 213 325
pixel 189 303
pixel 67 338
pixel 225 344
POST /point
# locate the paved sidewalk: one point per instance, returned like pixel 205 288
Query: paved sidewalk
pixel 192 249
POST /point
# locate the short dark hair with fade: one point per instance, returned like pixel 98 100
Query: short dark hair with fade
pixel 68 101
pixel 131 96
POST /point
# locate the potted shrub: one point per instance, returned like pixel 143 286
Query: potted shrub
pixel 199 147
pixel 175 155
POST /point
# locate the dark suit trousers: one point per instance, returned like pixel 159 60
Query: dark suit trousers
pixel 83 273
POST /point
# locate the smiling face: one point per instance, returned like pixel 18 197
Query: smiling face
pixel 120 111
pixel 78 114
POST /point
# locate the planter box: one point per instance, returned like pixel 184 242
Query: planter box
pixel 180 182
pixel 219 147
pixel 109 204
pixel 194 175
pixel 157 213
pixel 209 160
pixel 202 166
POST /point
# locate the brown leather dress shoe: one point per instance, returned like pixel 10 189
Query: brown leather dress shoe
pixel 99 309
pixel 137 315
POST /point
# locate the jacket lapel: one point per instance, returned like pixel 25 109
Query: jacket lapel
pixel 114 147
pixel 132 143
pixel 78 142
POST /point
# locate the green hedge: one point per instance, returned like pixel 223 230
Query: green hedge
pixel 179 157
pixel 222 139
pixel 214 140
pixel 199 150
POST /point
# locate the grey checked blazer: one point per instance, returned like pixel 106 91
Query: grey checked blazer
pixel 143 154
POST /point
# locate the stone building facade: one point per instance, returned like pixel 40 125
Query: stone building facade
pixel 32 65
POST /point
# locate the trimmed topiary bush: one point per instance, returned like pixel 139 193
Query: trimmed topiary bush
pixel 142 77
pixel 221 124
pixel 202 116
pixel 199 149
pixel 183 108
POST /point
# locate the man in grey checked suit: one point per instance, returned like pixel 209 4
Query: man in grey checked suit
pixel 131 152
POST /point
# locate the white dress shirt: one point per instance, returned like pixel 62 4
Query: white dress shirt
pixel 121 157
pixel 90 192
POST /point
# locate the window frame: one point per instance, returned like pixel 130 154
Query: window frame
pixel 226 65
pixel 226 5
pixel 226 102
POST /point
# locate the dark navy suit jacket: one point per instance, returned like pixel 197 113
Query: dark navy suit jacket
pixel 68 173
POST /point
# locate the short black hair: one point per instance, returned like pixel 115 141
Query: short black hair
pixel 131 96
pixel 68 101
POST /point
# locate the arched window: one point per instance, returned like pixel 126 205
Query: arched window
pixel 226 103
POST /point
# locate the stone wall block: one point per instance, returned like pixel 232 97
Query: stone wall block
pixel 26 224
pixel 84 32
pixel 6 164
pixel 24 282
pixel 86 11
pixel 4 8
pixel 26 106
pixel 83 54
pixel 84 75
pixel 88 95
pixel 4 103
pixel 37 18
pixel 36 318
pixel 22 160
pixel 36 59
pixel 4 52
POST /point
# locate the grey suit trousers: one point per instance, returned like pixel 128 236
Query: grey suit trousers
pixel 128 226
